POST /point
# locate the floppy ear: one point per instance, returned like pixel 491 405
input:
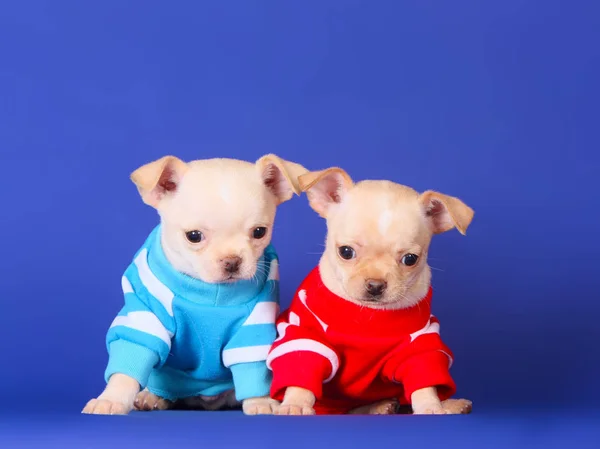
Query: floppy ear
pixel 159 178
pixel 325 188
pixel 445 212
pixel 280 176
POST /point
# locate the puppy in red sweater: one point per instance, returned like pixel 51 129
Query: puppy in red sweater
pixel 359 336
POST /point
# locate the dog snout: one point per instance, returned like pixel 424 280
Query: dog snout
pixel 231 264
pixel 375 287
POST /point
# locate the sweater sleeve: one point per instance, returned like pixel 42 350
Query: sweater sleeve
pixel 246 351
pixel 301 355
pixel 139 338
pixel 424 362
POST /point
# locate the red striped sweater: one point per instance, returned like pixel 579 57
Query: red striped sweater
pixel 350 356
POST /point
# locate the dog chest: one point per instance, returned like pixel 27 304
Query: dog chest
pixel 202 333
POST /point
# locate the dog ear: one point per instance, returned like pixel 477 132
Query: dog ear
pixel 325 188
pixel 280 176
pixel 445 212
pixel 158 178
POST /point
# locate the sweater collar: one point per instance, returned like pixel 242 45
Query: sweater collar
pixel 196 290
pixel 334 309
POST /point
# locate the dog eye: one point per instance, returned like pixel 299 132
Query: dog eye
pixel 259 232
pixel 409 259
pixel 194 236
pixel 346 252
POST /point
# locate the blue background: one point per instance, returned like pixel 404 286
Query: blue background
pixel 493 102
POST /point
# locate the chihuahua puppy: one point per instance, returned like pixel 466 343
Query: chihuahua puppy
pixel 359 336
pixel 202 294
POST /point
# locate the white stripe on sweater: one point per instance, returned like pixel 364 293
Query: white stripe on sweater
pixel 450 359
pixel 430 328
pixel 294 320
pixel 126 285
pixel 156 288
pixel 274 271
pixel 305 344
pixel 263 313
pixel 145 322
pixel 302 297
pixel 245 355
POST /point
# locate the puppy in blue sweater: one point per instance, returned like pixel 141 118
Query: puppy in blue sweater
pixel 202 294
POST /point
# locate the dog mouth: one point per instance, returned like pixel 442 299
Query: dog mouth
pixel 226 277
pixel 378 303
pixel 230 279
pixel 384 300
pixel 372 299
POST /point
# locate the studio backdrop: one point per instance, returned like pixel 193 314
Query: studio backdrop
pixel 494 105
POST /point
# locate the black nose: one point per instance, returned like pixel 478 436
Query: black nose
pixel 232 264
pixel 375 287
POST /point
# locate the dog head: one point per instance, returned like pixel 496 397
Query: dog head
pixel 217 214
pixel 378 235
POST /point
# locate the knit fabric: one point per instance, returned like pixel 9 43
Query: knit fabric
pixel 349 355
pixel 181 337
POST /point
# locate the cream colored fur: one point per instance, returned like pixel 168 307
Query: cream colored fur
pixel 382 221
pixel 225 199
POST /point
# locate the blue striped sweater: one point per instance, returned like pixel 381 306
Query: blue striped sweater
pixel 181 337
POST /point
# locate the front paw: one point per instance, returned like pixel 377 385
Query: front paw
pixel 430 408
pixel 294 409
pixel 457 406
pixel 385 407
pixel 146 401
pixel 106 407
pixel 259 406
pixel 431 411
